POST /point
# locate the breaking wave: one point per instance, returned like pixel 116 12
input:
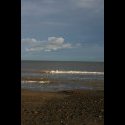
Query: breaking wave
pixel 73 72
pixel 29 81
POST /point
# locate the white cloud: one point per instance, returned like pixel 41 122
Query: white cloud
pixel 56 41
pixel 27 41
pixel 52 44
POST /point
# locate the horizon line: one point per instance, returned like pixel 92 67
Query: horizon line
pixel 65 60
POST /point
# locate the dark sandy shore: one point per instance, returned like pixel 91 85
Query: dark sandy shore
pixel 75 107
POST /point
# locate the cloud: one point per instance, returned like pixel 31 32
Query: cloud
pixel 49 7
pixel 39 7
pixel 28 41
pixel 79 21
pixel 52 17
pixel 52 44
pixel 88 3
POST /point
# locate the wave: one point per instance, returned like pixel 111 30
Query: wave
pixel 73 72
pixel 29 81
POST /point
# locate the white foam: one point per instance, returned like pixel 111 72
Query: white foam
pixel 73 72
pixel 44 82
pixel 28 81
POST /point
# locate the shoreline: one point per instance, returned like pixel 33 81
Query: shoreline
pixel 55 85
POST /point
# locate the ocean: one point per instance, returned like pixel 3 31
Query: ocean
pixel 62 75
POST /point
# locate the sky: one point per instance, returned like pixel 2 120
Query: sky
pixel 62 30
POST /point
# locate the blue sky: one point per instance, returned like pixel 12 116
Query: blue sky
pixel 62 30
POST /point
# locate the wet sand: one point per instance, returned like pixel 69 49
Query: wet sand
pixel 77 107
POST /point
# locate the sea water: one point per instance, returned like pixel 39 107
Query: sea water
pixel 62 75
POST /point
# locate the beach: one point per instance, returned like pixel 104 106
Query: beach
pixel 70 107
pixel 62 93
